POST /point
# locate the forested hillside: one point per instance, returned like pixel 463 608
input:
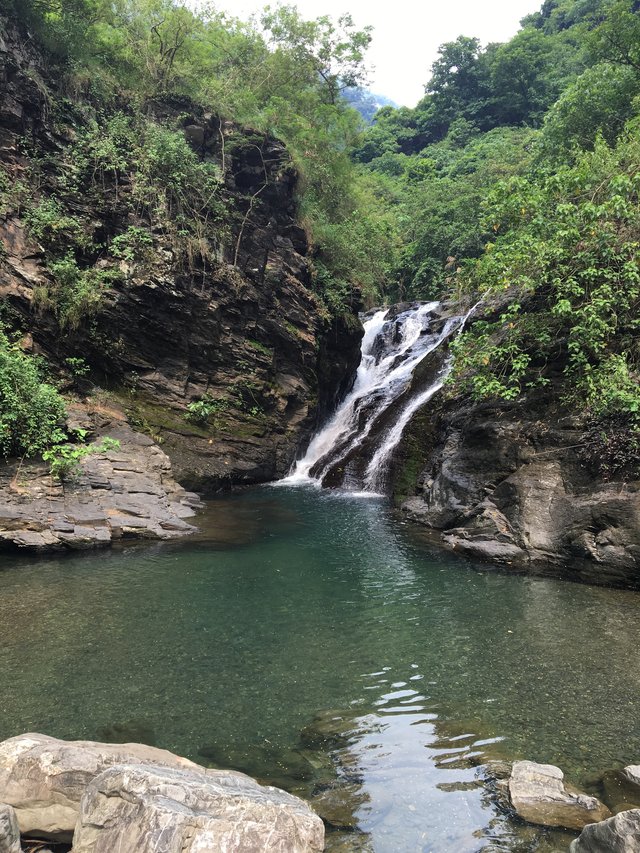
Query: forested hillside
pixel 515 181
pixel 153 151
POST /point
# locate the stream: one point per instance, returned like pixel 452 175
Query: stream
pixel 313 640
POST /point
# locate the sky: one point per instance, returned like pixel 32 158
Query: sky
pixel 407 33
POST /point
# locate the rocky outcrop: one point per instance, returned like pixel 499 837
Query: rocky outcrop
pixel 509 483
pixel 619 834
pixel 44 778
pixel 539 795
pixel 236 322
pixel 124 493
pixel 139 799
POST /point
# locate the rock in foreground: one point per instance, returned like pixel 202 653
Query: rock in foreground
pixel 539 795
pixel 619 834
pixel 9 830
pixel 44 778
pixel 133 809
pixel 135 798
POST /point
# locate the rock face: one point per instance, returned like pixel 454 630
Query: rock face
pixel 506 483
pixel 619 834
pixel 539 795
pixel 125 493
pixel 239 325
pixel 139 799
pixel 134 809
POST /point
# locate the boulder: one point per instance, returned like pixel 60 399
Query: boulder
pixel 44 778
pixel 539 795
pixel 139 808
pixel 619 834
pixel 622 788
pixel 9 830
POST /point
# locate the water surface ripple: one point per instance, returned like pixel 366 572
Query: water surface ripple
pixel 297 604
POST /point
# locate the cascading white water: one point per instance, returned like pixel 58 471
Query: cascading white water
pixel 391 350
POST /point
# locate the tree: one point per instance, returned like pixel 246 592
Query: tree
pixel 327 53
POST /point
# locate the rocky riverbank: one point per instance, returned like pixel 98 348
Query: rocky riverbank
pixel 125 493
pixel 518 483
pixel 218 355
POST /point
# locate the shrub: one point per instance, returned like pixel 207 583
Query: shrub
pixel 65 458
pixel 76 293
pixel 32 412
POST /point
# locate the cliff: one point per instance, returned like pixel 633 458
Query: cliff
pixel 195 321
pixel 519 484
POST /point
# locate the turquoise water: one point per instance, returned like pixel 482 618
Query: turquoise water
pixel 294 603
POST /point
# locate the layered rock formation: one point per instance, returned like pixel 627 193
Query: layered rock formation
pixel 509 482
pixel 127 492
pixel 243 330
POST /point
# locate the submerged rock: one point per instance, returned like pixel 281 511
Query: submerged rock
pixel 130 731
pixel 619 834
pixel 133 809
pixel 622 788
pixel 539 795
pixel 338 804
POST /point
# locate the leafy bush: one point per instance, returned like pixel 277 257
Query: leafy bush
pixel 206 409
pixel 76 293
pixel 132 245
pixel 32 413
pixel 565 262
pixel 53 227
pixel 65 459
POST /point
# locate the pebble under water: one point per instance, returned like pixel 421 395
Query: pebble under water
pixel 312 640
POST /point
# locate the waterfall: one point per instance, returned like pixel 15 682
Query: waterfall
pixel 369 423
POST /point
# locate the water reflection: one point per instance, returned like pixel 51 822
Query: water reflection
pixel 311 610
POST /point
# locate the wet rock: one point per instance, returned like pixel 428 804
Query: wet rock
pixel 339 803
pixel 619 834
pixel 505 482
pixel 140 809
pixel 9 830
pixel 622 788
pixel 44 778
pixel 539 795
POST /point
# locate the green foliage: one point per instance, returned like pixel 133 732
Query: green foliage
pixel 599 102
pixel 75 293
pixel 52 226
pixel 77 366
pixel 65 459
pixel 206 410
pixel 132 245
pixel 32 412
pixel 565 263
